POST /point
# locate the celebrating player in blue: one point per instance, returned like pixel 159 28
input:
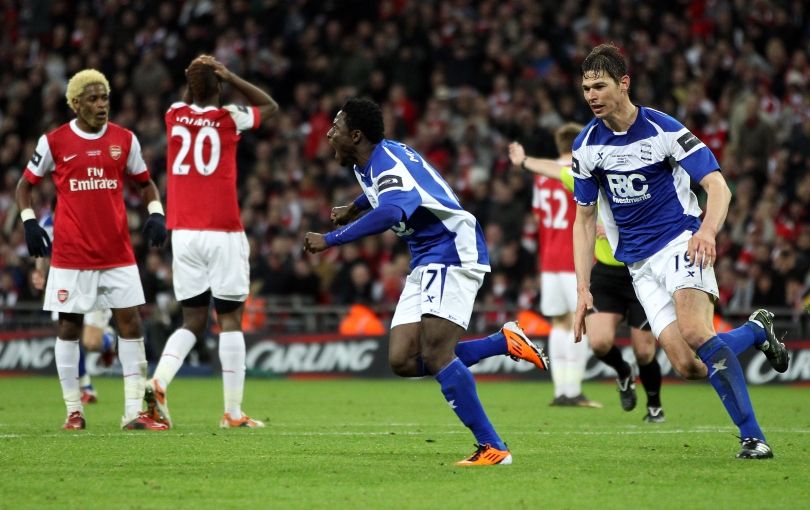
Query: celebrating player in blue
pixel 639 162
pixel 448 260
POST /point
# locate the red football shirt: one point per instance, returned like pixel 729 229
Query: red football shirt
pixel 90 221
pixel 201 165
pixel 555 209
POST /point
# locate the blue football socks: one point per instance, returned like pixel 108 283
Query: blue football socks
pixel 82 367
pixel 458 387
pixel 107 342
pixel 471 352
pixel 726 376
pixel 743 337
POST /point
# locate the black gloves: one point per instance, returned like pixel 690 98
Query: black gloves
pixel 39 244
pixel 154 230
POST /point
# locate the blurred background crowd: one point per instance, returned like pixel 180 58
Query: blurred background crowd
pixel 458 80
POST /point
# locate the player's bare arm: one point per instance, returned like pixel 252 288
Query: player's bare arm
pixel 23 194
pixel 256 97
pixel 584 243
pixel 702 245
pixel 39 275
pixel 541 166
pixel 149 192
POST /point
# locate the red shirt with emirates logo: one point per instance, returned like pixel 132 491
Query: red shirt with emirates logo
pixel 201 165
pixel 555 209
pixel 90 220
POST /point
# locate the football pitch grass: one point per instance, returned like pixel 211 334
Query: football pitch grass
pixel 362 444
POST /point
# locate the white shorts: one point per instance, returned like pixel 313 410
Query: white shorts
pixel 98 318
pixel 444 291
pixel 205 260
pixel 86 290
pixel 558 293
pixel 657 277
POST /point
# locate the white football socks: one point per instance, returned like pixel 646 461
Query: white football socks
pixel 132 355
pixel 558 356
pixel 576 359
pixel 66 353
pixel 177 348
pixel 232 358
pixel 568 361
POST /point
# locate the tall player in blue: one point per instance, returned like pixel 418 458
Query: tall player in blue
pixel 639 162
pixel 449 260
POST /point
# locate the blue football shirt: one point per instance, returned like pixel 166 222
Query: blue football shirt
pixel 642 177
pixel 436 227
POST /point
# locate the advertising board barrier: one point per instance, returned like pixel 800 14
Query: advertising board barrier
pixel 335 355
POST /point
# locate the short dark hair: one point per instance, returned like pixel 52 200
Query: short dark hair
pixel 607 59
pixel 202 81
pixel 366 116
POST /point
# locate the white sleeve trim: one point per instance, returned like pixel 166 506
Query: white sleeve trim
pixel 41 161
pixel 242 116
pixel 176 105
pixel 135 162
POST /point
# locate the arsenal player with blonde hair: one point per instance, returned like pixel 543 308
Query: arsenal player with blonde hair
pixel 92 262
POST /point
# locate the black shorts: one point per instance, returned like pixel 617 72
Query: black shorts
pixel 612 290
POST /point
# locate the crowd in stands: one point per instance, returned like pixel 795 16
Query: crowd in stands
pixel 458 80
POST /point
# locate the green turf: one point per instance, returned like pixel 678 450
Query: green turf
pixel 392 444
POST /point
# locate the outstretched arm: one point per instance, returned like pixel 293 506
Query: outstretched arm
pixel 376 221
pixel 541 166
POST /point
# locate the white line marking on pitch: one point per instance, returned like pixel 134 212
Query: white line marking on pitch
pixel 271 431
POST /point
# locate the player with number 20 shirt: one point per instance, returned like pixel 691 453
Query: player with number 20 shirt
pixel 210 249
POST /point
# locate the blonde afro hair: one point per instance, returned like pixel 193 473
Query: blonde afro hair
pixel 82 79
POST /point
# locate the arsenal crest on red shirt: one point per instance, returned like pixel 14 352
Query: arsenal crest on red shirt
pixel 115 151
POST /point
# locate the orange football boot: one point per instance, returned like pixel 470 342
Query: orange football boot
pixel 520 347
pixel 487 455
pixel 245 421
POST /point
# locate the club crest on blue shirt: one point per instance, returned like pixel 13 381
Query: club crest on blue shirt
pixel 645 152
